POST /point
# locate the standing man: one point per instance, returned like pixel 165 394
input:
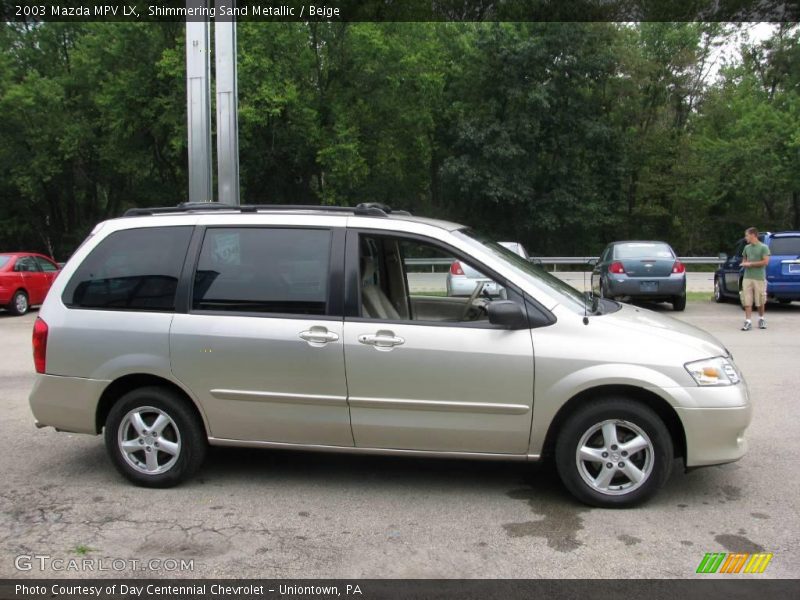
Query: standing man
pixel 754 284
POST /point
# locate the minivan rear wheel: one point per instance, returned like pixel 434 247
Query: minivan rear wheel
pixel 153 437
pixel 614 453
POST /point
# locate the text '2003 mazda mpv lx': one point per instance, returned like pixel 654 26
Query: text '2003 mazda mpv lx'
pixel 301 327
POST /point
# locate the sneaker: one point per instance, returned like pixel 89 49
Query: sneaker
pixel 762 323
pixel 747 326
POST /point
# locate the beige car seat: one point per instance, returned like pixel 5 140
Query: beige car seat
pixel 374 303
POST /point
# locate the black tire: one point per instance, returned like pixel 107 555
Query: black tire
pixel 784 301
pixel 19 304
pixel 679 302
pixel 184 433
pixel 604 290
pixel 719 297
pixel 626 417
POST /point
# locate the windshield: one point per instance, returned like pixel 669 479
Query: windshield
pixel 532 273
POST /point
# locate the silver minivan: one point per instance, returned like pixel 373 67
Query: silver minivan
pixel 301 327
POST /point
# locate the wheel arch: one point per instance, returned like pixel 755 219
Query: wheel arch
pixel 646 397
pixel 23 290
pixel 122 385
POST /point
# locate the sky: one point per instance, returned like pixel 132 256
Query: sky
pixel 749 32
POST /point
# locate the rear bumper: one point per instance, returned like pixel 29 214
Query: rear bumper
pixel 786 290
pixel 622 285
pixel 66 403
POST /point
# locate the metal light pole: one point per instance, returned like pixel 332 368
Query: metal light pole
pixel 198 70
pixel 227 107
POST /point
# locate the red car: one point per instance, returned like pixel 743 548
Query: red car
pixel 25 279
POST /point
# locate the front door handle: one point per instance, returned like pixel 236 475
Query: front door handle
pixel 318 336
pixel 382 340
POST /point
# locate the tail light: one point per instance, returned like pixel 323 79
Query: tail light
pixel 40 345
pixel 455 268
pixel 617 268
pixel 678 267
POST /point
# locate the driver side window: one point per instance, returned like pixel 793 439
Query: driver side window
pixel 406 279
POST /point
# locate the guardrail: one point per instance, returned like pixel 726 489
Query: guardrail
pixel 565 260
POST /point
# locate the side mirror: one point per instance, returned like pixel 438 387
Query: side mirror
pixel 508 314
pixel 592 262
pixel 535 261
pixel 723 257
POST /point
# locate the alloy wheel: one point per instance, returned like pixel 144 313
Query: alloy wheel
pixel 21 303
pixel 615 457
pixel 149 440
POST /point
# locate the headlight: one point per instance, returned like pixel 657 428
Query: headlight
pixel 713 371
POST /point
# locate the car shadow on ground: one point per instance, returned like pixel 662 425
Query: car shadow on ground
pixel 225 466
pixel 7 314
pixel 666 307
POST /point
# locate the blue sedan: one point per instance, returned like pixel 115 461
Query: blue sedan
pixel 640 270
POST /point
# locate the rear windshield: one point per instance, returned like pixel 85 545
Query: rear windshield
pixel 780 245
pixel 4 260
pixel 643 250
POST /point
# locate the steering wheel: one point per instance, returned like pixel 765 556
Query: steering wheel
pixel 474 296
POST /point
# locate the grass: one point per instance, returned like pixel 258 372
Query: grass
pixel 82 550
pixel 699 296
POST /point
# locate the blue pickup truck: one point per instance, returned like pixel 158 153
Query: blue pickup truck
pixel 783 271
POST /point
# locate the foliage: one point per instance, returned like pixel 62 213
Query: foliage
pixel 563 136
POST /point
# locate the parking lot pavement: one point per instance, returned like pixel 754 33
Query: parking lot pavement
pixel 294 514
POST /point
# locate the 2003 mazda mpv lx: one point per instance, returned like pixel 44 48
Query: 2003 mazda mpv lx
pixel 304 327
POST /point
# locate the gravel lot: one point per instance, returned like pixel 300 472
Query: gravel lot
pixel 294 514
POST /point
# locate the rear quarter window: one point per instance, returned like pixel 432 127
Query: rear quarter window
pixel 132 269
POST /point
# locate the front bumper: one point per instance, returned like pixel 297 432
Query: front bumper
pixel 622 285
pixel 66 403
pixel 716 435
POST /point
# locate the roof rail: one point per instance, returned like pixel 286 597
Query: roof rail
pixel 366 209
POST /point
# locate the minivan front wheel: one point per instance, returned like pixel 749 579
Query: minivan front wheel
pixel 614 453
pixel 154 439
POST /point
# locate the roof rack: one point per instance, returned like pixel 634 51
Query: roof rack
pixel 365 209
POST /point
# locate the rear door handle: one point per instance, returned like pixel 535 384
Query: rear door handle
pixel 318 336
pixel 382 340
